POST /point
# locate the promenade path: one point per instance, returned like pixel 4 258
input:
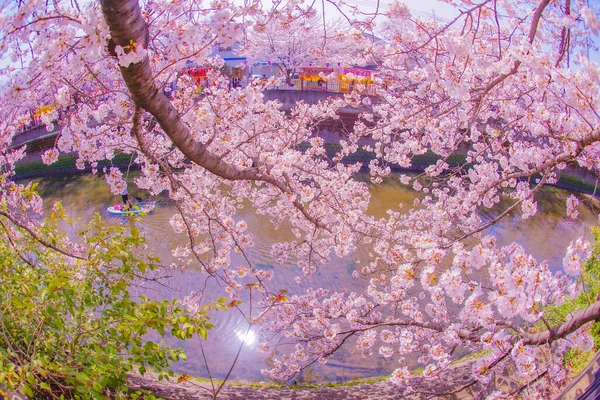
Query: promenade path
pixel 384 390
pixel 452 385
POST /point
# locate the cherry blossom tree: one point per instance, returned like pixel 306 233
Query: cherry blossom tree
pixel 508 85
pixel 291 41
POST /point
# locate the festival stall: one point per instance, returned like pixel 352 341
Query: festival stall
pixel 311 78
pixel 351 76
pixel 200 76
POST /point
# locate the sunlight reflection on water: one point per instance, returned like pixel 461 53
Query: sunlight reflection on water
pixel 248 338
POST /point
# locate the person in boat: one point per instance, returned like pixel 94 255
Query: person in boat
pixel 125 197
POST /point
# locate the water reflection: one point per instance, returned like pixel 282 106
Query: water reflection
pixel 248 338
pixel 546 236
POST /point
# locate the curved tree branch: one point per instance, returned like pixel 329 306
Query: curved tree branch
pixel 590 313
pixel 38 238
pixel 128 26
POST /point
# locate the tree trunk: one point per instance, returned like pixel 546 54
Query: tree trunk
pixel 127 25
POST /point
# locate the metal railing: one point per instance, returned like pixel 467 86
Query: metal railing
pixel 319 86
pixel 586 385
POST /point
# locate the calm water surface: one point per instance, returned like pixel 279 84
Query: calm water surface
pixel 546 236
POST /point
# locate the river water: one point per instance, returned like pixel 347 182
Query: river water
pixel 546 236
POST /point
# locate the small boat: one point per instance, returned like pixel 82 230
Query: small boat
pixel 119 209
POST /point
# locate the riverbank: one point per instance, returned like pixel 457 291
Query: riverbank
pixel 574 179
pixel 66 165
pixel 368 389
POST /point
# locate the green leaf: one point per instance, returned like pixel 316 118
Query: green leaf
pixel 203 332
pixel 58 323
pixel 31 378
pixel 27 391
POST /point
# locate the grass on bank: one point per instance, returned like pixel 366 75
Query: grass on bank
pixel 296 386
pixel 65 164
pixel 576 360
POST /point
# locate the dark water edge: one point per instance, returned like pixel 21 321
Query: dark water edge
pixel 576 179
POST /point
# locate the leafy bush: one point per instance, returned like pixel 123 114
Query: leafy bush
pixel 576 359
pixel 69 327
